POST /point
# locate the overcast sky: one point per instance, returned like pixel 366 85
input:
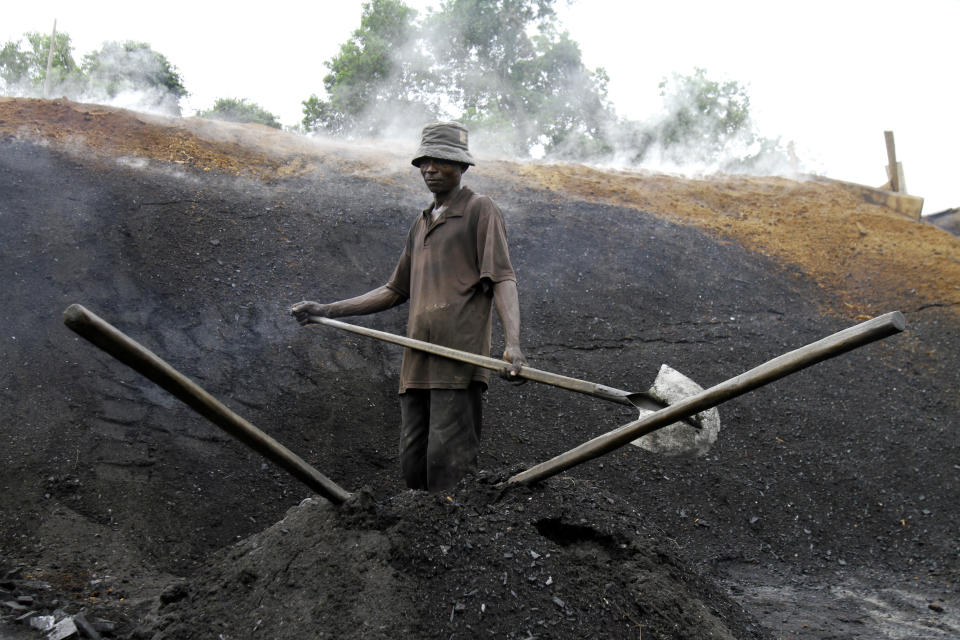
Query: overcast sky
pixel 829 75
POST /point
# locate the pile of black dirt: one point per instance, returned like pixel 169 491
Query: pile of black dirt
pixel 840 479
pixel 560 560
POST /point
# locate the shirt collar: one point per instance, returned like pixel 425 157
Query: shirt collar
pixel 455 208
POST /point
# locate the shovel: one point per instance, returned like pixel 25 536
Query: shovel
pixel 643 401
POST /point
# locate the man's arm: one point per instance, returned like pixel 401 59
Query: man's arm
pixel 507 301
pixel 380 299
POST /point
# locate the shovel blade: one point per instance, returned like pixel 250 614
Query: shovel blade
pixel 644 401
pixel 691 437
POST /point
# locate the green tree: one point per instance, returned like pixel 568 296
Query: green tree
pixel 14 66
pixel 702 113
pixel 113 69
pixel 134 67
pixel 507 66
pixel 498 65
pixel 239 110
pixel 23 70
pixel 706 123
pixel 370 76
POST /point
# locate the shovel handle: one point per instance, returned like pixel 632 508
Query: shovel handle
pixel 131 353
pixel 529 373
pixel 781 366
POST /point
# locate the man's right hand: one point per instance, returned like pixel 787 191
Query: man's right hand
pixel 305 311
pixel 517 360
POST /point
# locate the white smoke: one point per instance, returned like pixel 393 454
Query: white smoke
pixel 132 78
pixel 403 103
pixel 122 77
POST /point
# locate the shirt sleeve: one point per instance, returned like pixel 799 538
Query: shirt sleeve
pixel 493 254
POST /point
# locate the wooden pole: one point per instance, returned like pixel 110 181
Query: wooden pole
pixel 779 367
pixel 53 42
pixel 131 353
pixel 892 171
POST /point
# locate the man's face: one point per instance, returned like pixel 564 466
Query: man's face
pixel 441 176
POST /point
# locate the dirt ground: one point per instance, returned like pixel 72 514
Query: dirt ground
pixel 826 509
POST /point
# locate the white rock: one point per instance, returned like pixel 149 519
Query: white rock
pixel 63 630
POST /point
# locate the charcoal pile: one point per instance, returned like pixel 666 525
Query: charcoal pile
pixel 560 560
pixel 824 508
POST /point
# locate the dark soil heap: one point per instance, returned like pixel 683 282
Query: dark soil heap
pixel 558 561
pixel 826 508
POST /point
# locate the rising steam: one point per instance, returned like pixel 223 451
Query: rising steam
pixel 408 96
pixel 128 75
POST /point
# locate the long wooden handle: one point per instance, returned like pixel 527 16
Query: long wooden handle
pixel 572 384
pixel 829 347
pixel 131 353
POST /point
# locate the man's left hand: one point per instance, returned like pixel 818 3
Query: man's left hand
pixel 517 360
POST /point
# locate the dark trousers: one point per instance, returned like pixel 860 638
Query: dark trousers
pixel 439 435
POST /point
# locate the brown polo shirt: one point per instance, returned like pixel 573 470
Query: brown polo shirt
pixel 447 270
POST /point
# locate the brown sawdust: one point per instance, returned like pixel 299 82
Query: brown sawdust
pixel 869 258
pixel 121 132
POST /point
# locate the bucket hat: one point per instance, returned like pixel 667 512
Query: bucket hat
pixel 444 140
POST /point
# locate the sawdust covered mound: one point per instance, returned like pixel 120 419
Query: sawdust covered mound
pixel 563 560
pixel 866 257
pixel 99 132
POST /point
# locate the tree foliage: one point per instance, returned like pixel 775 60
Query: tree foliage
pixel 132 66
pixel 239 110
pixel 375 76
pixel 114 69
pixel 23 69
pixel 509 67
pixel 702 112
pixel 705 123
pixel 500 65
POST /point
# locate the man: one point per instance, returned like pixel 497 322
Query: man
pixel 454 266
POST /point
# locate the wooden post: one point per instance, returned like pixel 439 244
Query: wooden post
pixel 892 170
pixel 53 42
